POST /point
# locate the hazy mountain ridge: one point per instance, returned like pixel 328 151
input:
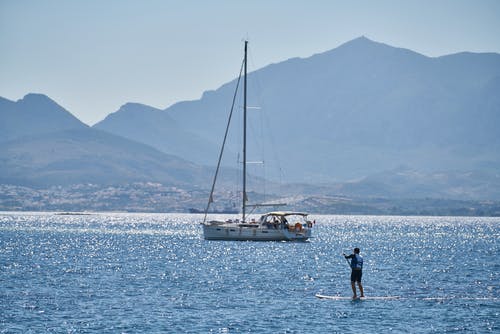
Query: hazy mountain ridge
pixel 91 156
pixel 366 107
pixel 44 145
pixel 355 112
pixel 34 114
pixel 401 182
pixel 156 128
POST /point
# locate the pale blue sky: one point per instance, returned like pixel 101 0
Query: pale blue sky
pixel 93 56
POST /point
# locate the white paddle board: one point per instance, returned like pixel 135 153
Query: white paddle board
pixel 359 298
pixel 439 299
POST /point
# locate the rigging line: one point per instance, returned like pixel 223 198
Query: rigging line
pixel 266 128
pixel 260 136
pixel 210 198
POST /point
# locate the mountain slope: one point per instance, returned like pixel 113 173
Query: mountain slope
pixel 366 107
pixel 91 156
pixel 42 144
pixel 34 114
pixel 398 183
pixel 156 128
pixel 356 110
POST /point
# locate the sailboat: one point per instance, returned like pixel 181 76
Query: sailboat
pixel 272 226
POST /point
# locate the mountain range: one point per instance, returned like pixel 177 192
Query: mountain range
pixel 357 110
pixel 365 119
pixel 43 144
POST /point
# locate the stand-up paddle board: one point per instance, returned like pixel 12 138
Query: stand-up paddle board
pixel 437 299
pixel 359 298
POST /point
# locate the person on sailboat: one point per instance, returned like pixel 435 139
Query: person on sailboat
pixel 357 272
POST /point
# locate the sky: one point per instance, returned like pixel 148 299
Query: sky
pixel 93 56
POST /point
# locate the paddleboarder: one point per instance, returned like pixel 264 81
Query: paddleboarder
pixel 356 273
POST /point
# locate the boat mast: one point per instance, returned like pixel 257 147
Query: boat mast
pixel 245 136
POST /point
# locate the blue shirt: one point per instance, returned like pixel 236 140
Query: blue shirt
pixel 356 261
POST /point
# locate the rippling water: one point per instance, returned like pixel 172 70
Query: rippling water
pixel 152 273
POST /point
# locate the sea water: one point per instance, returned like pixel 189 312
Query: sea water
pixel 154 273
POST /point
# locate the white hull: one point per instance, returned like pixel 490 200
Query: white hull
pixel 232 231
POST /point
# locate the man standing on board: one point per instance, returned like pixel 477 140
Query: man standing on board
pixel 357 272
